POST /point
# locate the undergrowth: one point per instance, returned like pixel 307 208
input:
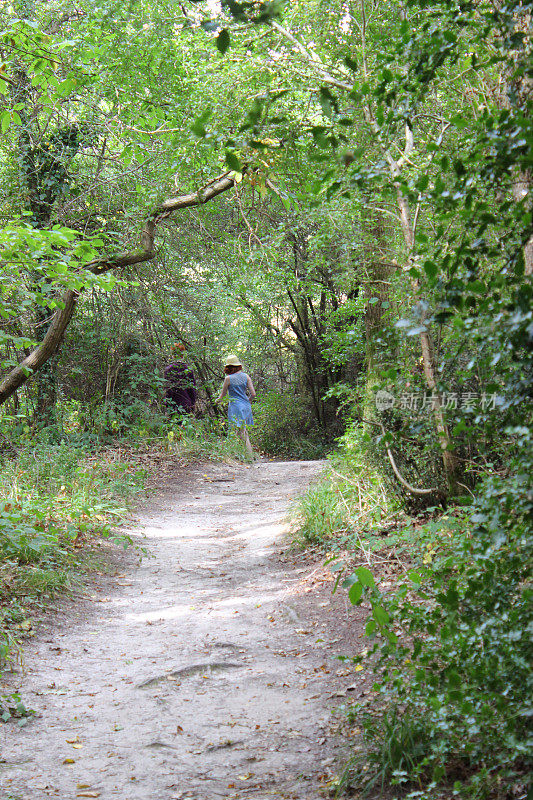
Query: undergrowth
pixel 350 502
pixel 449 625
pixel 285 427
pixel 206 439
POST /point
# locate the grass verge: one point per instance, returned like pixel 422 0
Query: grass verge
pixel 56 503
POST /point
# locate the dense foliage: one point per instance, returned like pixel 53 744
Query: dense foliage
pixel 370 257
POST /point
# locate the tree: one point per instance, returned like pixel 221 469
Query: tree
pixel 63 316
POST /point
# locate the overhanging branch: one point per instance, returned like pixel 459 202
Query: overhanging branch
pixel 146 253
pixel 61 319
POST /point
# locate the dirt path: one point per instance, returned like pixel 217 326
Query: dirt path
pixel 197 675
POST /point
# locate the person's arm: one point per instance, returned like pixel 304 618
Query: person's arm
pixel 250 387
pixel 223 390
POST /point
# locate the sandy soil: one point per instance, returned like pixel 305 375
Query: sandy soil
pixel 207 671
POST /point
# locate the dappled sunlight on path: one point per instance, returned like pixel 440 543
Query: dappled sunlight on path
pixel 186 680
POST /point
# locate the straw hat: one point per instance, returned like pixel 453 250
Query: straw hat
pixel 232 361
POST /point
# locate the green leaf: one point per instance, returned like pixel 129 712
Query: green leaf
pixel 355 593
pixel 431 269
pixel 5 121
pixel 66 87
pixel 351 63
pixel 380 615
pixel 233 162
pixel 223 40
pixel 198 126
pixel 365 576
pixel 327 102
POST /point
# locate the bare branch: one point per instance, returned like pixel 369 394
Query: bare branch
pixel 312 58
pixel 7 80
pixel 405 484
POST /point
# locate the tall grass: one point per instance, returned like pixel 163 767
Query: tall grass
pixel 347 505
pixel 204 439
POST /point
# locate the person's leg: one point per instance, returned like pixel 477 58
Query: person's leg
pixel 247 443
pixel 242 433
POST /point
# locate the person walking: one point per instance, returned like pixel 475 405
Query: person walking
pixel 180 395
pixel 238 385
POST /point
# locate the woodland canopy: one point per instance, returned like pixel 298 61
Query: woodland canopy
pixel 339 192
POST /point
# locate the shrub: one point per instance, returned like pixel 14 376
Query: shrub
pixel 284 426
pixel 454 648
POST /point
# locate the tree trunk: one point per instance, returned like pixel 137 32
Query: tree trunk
pixel 51 341
pixel 521 190
pixel 449 460
pixel 448 456
pixel 377 287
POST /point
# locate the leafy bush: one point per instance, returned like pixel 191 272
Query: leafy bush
pixel 454 648
pixel 23 535
pixel 131 418
pixel 284 426
pixel 12 707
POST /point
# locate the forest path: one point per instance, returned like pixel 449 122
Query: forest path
pixel 196 675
